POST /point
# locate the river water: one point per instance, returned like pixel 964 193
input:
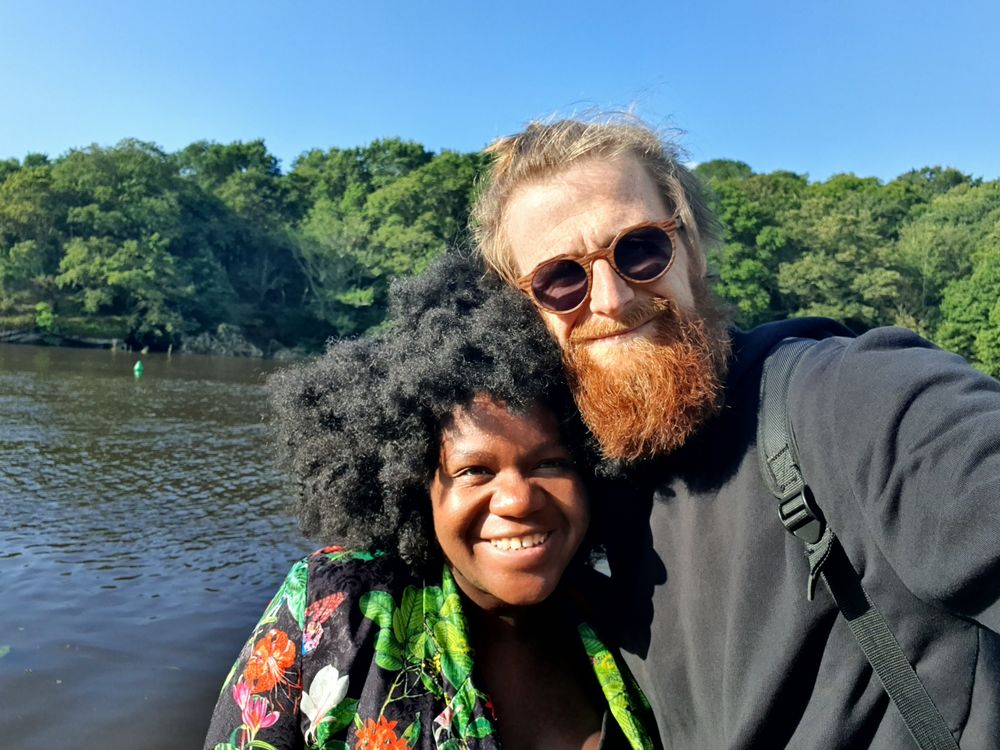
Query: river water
pixel 143 528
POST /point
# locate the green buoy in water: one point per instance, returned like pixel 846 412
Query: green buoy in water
pixel 137 370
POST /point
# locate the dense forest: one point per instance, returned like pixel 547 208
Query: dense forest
pixel 215 244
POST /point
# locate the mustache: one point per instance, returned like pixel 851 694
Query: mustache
pixel 641 312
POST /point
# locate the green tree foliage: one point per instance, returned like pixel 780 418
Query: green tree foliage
pixel 938 246
pixel 127 248
pixel 163 246
pixel 45 319
pixel 245 195
pixel 32 226
pixel 751 209
pixel 343 178
pixel 176 244
pixel 849 248
pixel 841 270
pixel 351 250
pixel 7 168
pixel 722 170
pixel 970 308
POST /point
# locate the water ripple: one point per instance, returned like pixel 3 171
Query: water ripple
pixel 143 530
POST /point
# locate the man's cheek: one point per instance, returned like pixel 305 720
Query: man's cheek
pixel 558 326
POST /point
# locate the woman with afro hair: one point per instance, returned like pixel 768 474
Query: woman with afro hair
pixel 444 461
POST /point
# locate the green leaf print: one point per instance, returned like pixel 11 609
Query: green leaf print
pixel 450 605
pixel 232 673
pixel 337 720
pixel 388 652
pixel 408 625
pixel 292 592
pixel 323 732
pixel 379 606
pixel 463 705
pixel 412 733
pixel 352 554
pixel 406 619
pixel 613 686
pixel 430 684
pixel 4 650
pixel 481 727
pixel 295 592
pixel 591 643
pixel 456 660
pixel 341 716
pixel 436 605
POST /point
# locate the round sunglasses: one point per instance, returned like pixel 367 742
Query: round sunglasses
pixel 639 254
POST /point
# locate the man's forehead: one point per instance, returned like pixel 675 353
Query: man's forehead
pixel 622 175
pixel 586 203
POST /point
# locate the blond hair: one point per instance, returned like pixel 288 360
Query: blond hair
pixel 544 149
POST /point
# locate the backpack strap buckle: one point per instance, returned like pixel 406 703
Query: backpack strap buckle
pixel 803 519
pixel 800 517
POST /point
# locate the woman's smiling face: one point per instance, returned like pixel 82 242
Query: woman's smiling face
pixel 509 507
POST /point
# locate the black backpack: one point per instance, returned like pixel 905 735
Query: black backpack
pixel 802 517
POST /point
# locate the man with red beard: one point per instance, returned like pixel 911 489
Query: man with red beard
pixel 605 231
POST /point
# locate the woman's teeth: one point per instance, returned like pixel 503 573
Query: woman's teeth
pixel 520 542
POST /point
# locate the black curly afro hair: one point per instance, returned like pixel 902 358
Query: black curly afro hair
pixel 359 429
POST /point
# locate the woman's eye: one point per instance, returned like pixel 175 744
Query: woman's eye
pixel 472 471
pixel 557 464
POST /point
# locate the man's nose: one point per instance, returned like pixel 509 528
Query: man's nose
pixel 514 497
pixel 610 294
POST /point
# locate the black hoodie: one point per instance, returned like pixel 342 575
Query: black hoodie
pixel 900 443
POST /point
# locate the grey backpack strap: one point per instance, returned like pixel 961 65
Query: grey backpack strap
pixel 802 517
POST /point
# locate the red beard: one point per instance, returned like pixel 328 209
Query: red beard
pixel 652 396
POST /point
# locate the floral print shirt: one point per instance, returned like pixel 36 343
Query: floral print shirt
pixel 355 652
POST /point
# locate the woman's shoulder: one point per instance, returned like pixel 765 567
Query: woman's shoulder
pixel 334 577
pixel 352 572
pixel 342 558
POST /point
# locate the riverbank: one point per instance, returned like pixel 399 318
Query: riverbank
pixel 38 338
pixel 225 341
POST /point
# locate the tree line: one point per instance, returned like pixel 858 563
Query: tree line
pixel 155 248
pixel 921 251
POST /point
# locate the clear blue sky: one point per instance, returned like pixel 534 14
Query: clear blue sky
pixel 873 87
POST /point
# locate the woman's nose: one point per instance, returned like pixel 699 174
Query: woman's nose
pixel 610 294
pixel 514 496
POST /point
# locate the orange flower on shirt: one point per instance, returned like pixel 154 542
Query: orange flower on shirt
pixel 379 736
pixel 272 655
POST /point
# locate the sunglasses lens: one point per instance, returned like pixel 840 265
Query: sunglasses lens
pixel 560 286
pixel 644 254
